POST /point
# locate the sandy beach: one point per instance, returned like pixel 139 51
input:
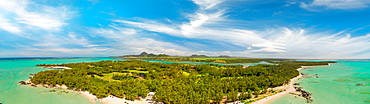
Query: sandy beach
pixel 109 99
pixel 289 88
pixel 92 98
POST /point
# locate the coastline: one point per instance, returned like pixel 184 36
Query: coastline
pixel 92 98
pixel 114 100
pixel 289 88
pixel 110 99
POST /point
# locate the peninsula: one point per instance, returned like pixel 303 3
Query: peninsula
pixel 175 83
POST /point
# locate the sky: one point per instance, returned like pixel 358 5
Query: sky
pixel 315 29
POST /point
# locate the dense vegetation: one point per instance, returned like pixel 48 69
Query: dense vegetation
pixel 172 83
pixel 200 58
pixel 212 59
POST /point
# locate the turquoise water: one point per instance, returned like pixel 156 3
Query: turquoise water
pixel 13 71
pixel 336 84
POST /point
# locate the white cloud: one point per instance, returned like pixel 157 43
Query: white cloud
pixel 289 4
pixel 41 25
pixel 91 45
pixel 68 50
pixel 195 45
pixel 70 44
pixel 29 13
pixel 278 42
pixel 52 40
pixel 203 24
pixel 207 4
pixel 152 26
pixel 213 26
pixel 298 44
pixel 249 47
pixel 277 13
pixel 126 41
pixel 336 4
pixel 269 47
pixel 5 25
pixel 200 19
pixel 55 52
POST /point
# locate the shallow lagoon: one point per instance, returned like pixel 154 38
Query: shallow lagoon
pixel 336 84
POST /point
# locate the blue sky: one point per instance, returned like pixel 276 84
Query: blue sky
pixel 322 29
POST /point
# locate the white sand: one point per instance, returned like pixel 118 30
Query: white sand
pixel 89 96
pixel 110 99
pixel 107 100
pixel 115 100
pixel 289 88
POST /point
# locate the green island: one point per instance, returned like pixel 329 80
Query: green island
pixel 175 83
pixel 202 58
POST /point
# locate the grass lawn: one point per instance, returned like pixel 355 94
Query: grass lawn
pixel 110 75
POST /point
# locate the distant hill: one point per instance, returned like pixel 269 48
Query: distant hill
pixel 198 56
pixel 144 54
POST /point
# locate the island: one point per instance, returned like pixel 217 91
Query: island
pixel 136 79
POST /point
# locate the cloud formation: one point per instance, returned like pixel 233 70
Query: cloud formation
pixel 28 13
pixel 7 26
pixel 42 27
pixel 271 42
pixel 207 4
pixel 212 27
pixel 132 41
pixel 336 4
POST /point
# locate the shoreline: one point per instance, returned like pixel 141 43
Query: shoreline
pixel 114 100
pixel 110 99
pixel 289 88
pixel 92 98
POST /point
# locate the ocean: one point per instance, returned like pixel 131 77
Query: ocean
pixel 345 82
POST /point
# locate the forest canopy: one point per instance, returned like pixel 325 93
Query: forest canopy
pixel 172 83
